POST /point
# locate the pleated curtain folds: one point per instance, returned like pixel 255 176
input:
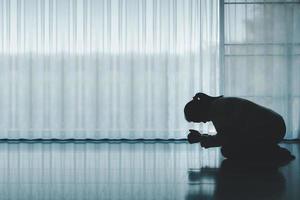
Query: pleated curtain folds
pixel 105 68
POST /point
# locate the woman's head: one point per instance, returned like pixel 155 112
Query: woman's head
pixel 197 110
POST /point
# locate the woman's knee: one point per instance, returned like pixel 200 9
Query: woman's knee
pixel 231 152
pixel 241 151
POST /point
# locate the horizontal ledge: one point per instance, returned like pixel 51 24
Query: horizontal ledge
pixel 99 130
pixel 88 140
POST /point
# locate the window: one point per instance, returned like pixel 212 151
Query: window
pixel 262 55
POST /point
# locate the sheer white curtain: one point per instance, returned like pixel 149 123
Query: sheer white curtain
pixel 104 68
pixel 262 55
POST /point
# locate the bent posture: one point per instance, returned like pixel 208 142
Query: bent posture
pixel 244 129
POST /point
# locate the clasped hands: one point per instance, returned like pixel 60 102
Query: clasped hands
pixel 194 136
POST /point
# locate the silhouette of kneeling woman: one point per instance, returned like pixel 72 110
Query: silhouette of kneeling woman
pixel 245 130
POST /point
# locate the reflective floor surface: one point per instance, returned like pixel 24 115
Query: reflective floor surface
pixel 36 171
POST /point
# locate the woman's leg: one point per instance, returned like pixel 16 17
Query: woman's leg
pixel 271 132
pixel 258 146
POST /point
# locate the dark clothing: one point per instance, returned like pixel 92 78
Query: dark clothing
pixel 242 122
pixel 246 130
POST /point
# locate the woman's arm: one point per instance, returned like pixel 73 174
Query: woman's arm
pixel 205 140
pixel 208 141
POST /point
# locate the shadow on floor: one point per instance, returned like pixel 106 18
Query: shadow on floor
pixel 236 181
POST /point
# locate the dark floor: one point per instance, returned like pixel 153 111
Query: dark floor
pixel 136 171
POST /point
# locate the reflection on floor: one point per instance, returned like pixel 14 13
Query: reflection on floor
pixel 36 171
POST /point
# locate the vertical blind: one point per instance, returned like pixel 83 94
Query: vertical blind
pixel 262 56
pixel 104 68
